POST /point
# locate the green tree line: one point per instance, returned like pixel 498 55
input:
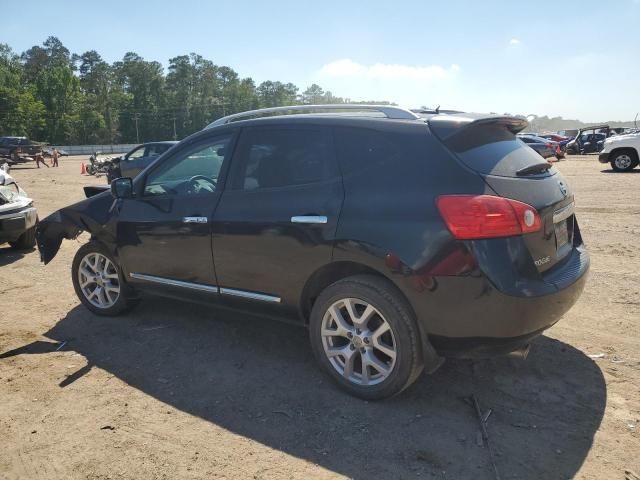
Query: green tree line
pixel 51 95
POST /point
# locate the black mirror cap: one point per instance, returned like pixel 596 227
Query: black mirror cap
pixel 122 187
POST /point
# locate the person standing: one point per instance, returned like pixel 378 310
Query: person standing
pixel 54 157
pixel 40 158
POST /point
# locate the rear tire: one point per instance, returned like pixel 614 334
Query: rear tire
pixel 26 241
pixel 624 161
pixel 99 282
pixel 374 351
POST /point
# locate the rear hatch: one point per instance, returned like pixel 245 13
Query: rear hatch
pixel 488 145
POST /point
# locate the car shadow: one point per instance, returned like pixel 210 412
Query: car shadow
pixel 610 170
pixel 257 378
pixel 9 255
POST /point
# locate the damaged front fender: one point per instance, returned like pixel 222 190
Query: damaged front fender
pixel 92 215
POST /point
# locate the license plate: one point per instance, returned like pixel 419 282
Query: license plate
pixel 562 234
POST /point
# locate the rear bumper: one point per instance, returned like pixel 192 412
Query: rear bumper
pixel 14 224
pixel 603 157
pixel 469 316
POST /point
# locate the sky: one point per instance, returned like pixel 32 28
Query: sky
pixel 578 59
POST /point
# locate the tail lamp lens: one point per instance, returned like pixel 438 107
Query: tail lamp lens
pixel 485 216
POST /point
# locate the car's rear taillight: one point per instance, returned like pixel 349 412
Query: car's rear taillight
pixel 484 216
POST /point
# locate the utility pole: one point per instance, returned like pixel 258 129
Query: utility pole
pixel 136 117
pixel 175 135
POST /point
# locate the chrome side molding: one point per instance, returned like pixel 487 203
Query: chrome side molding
pixel 263 297
pixel 251 295
pixel 195 219
pixel 320 219
pixel 175 283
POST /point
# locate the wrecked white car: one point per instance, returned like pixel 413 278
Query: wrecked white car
pixel 18 216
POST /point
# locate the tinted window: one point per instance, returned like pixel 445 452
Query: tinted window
pixel 280 157
pixel 492 149
pixel 362 149
pixel 155 150
pixel 192 171
pixel 137 153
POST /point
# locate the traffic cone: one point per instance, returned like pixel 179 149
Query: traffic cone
pixel 83 170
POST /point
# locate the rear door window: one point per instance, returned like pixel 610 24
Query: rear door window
pixel 276 157
pixel 362 149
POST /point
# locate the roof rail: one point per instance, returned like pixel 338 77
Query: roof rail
pixel 396 113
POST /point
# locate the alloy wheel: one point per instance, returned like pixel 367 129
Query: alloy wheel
pixel 358 341
pixel 623 161
pixel 98 280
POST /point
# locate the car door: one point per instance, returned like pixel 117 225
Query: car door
pixel 130 164
pixel 164 232
pixel 276 221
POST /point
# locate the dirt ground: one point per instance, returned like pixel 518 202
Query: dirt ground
pixel 180 391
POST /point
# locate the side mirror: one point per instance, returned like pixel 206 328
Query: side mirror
pixel 122 188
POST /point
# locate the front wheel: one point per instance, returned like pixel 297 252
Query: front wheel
pixel 366 337
pixel 623 162
pixel 98 281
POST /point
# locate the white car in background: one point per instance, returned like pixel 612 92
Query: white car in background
pixel 18 216
pixel 621 151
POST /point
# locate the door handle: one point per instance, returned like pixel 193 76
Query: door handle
pixel 195 219
pixel 309 219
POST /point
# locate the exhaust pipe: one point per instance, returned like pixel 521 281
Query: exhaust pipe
pixel 520 353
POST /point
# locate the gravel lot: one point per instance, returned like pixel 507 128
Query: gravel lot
pixel 181 391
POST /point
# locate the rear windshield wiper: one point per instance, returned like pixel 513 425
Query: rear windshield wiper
pixel 533 169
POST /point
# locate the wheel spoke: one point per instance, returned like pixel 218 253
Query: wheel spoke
pixel 343 328
pixel 338 352
pixel 94 265
pixel 349 360
pixel 364 375
pixel 360 321
pixel 379 345
pixel 371 360
pixel 388 351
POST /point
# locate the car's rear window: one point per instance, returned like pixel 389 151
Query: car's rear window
pixel 493 150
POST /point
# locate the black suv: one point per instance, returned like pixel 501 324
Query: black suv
pixel 398 239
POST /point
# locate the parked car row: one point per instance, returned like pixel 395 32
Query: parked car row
pixel 545 147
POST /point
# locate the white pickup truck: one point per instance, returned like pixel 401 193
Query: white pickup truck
pixel 621 151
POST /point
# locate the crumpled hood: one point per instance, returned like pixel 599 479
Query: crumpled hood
pixel 92 215
pixel 12 197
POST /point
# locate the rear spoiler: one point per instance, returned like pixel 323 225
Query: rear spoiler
pixel 462 132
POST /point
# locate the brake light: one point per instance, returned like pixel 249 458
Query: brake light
pixel 485 216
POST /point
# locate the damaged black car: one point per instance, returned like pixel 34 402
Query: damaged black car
pixel 398 240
